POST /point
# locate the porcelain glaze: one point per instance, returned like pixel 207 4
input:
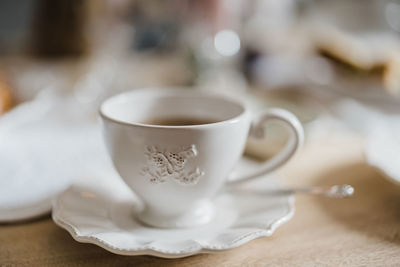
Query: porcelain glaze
pixel 176 170
pixel 102 212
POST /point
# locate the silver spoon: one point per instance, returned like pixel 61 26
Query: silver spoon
pixel 335 191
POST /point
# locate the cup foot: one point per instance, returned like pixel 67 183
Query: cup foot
pixel 201 214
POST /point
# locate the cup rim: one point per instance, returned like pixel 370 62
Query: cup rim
pixel 175 91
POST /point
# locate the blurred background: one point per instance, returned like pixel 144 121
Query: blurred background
pixel 335 64
pixel 95 48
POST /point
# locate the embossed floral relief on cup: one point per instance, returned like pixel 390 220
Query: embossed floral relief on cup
pixel 163 165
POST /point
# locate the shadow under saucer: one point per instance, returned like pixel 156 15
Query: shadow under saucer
pixel 375 207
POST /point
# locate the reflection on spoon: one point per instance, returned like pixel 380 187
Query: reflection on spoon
pixel 335 191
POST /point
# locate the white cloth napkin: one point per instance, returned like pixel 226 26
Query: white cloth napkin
pixel 44 145
pixel 382 133
pixel 380 129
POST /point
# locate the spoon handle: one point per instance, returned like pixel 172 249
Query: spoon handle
pixel 335 191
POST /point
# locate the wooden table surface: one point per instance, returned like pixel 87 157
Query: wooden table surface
pixel 360 231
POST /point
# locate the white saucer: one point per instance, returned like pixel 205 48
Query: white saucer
pixel 102 212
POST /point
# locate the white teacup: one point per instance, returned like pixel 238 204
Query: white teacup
pixel 176 170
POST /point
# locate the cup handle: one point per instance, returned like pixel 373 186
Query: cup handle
pixel 292 124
